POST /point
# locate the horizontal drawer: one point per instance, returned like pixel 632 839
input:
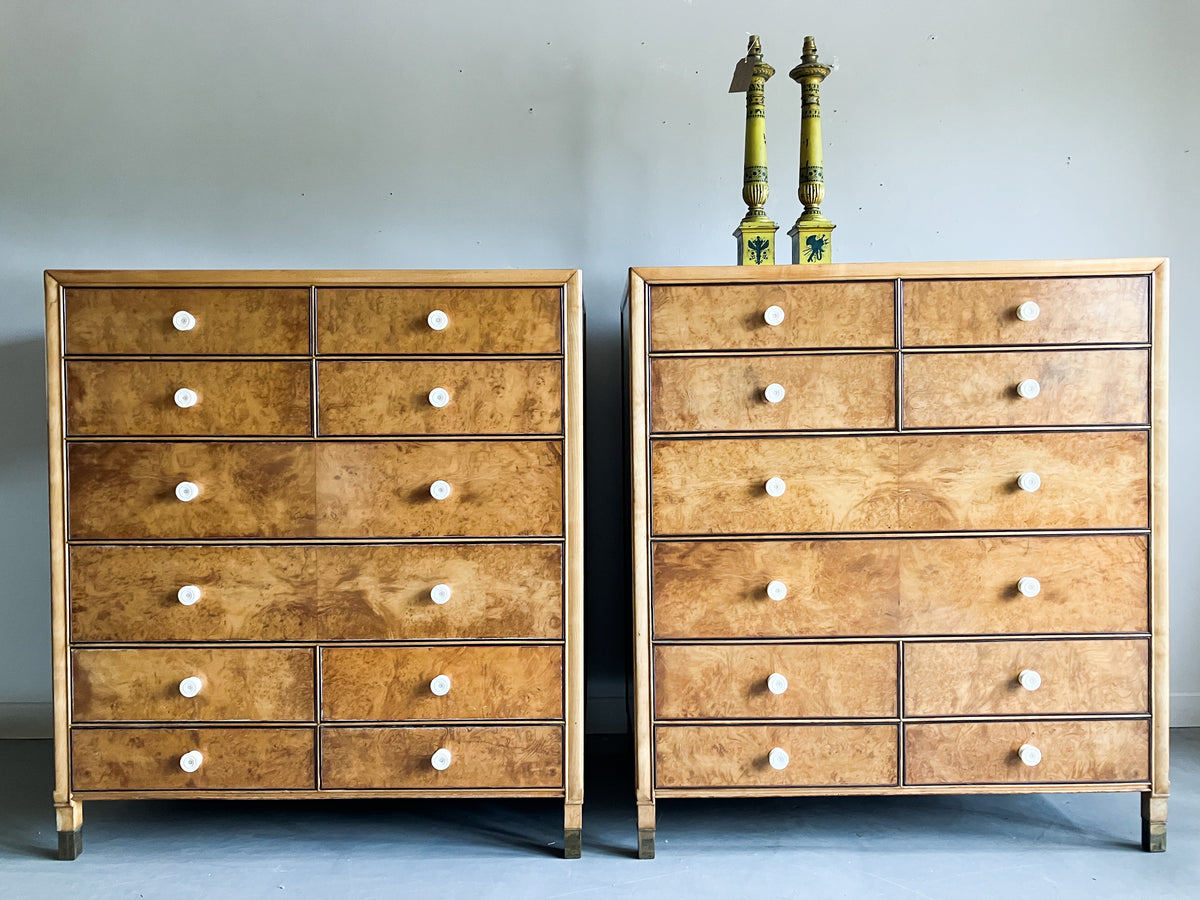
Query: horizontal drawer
pixel 772 393
pixel 227 398
pixel 235 321
pixel 719 589
pixel 1063 387
pixel 431 592
pixel 477 397
pixel 978 312
pixel 235 684
pixel 443 682
pixel 772 681
pixel 740 756
pixel 1067 752
pixel 735 316
pixel 153 759
pixel 1025 678
pixel 512 756
pixel 404 320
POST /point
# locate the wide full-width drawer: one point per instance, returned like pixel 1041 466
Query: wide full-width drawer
pixel 1027 752
pixel 440 396
pixel 1024 678
pixel 774 681
pixel 193 684
pixel 772 393
pixel 782 316
pixel 1045 387
pixel 438 321
pixel 173 397
pixel 190 759
pixel 215 321
pixel 978 312
pixel 441 682
pixel 437 758
pixel 742 756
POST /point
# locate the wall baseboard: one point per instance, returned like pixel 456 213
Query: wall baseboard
pixel 26 720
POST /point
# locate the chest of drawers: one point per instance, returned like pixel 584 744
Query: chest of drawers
pixel 316 534
pixel 900 529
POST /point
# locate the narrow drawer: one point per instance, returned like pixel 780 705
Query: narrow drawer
pixel 1047 387
pixel 1067 752
pixel 475 320
pixel 234 684
pixel 476 396
pixel 512 756
pixel 437 591
pixel 189 593
pixel 246 397
pixel 773 681
pixel 152 759
pixel 772 393
pixel 1023 678
pixel 444 682
pixel 978 312
pixel 740 756
pixel 235 321
pixel 734 316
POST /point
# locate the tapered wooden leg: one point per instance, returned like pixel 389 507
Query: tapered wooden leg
pixel 646 830
pixel 69 815
pixel 573 831
pixel 1154 822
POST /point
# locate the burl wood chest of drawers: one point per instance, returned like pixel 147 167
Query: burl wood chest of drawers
pixel 316 534
pixel 900 529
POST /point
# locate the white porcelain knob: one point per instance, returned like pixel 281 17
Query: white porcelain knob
pixel 1028 311
pixel 437 320
pixel 187 491
pixel 439 490
pixel 191 760
pixel 440 686
pixel 183 320
pixel 773 315
pixel 778 758
pixel 441 759
pixel 776 487
pixel 776 683
pixel 1029 679
pixel 439 397
pixel 776 590
pixel 188 595
pixel 1029 388
pixel 1029 481
pixel 1029 586
pixel 440 593
pixel 190 686
pixel 1030 755
pixel 185 398
pixel 774 392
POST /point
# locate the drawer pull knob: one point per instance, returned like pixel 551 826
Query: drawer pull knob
pixel 187 491
pixel 1029 586
pixel 190 686
pixel 1029 481
pixel 439 490
pixel 191 761
pixel 1028 311
pixel 1029 679
pixel 774 392
pixel 778 758
pixel 188 595
pixel 438 320
pixel 773 315
pixel 440 686
pixel 183 320
pixel 776 487
pixel 1029 388
pixel 440 594
pixel 185 398
pixel 439 397
pixel 776 590
pixel 1030 755
pixel 776 683
pixel 441 759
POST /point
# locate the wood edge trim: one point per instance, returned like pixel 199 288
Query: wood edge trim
pixel 1160 598
pixel 573 736
pixel 304 278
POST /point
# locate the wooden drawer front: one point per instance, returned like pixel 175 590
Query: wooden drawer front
pixel 730 316
pixel 981 678
pixel 511 756
pixel 127 490
pixel 274 684
pixel 147 759
pixel 393 683
pixel 728 393
pixel 243 321
pixel 730 681
pixel 479 320
pixel 498 488
pixel 123 593
pixel 384 593
pixel 485 397
pixel 736 756
pixel 970 313
pixel 233 398
pixel 987 752
pixel 1076 387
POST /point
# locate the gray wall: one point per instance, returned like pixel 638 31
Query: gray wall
pixel 388 134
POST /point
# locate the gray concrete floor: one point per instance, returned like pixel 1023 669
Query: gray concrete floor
pixel 1016 847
